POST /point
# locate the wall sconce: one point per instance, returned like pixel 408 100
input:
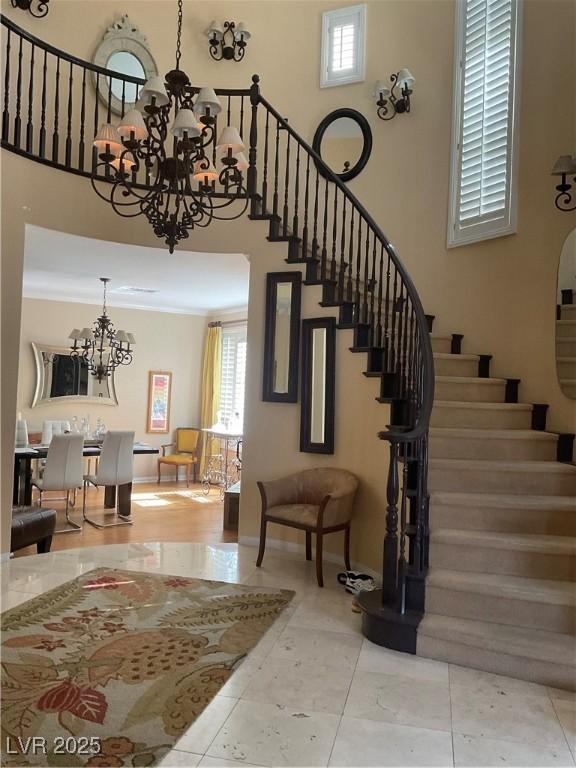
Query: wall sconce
pixel 37 8
pixel 565 166
pixel 389 105
pixel 227 41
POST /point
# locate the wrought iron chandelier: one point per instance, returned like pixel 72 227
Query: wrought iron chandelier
pixel 102 348
pixel 167 136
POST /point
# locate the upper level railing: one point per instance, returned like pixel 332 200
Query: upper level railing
pixel 53 104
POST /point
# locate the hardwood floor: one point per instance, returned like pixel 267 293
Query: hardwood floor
pixel 165 512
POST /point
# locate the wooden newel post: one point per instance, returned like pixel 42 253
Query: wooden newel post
pixel 389 570
pixel 252 178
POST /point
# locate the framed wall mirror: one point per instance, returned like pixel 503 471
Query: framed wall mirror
pixel 344 141
pixel 566 318
pixel 282 337
pixel 318 385
pixel 64 378
pixel 123 49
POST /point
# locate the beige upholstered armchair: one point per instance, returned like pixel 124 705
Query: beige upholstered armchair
pixel 316 501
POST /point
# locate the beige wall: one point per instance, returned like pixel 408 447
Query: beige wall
pixel 500 293
pixel 164 342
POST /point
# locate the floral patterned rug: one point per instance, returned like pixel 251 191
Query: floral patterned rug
pixel 111 668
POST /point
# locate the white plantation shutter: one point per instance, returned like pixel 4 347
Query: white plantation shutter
pixel 343 35
pixel 483 189
pixel 233 373
pixel 343 54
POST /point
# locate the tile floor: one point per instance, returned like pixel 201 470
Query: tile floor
pixel 315 693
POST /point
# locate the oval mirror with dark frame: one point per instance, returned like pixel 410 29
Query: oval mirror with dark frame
pixel 344 142
pixel 318 385
pixel 282 337
pixel 124 49
pixel 566 318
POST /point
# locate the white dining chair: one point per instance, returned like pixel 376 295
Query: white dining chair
pixel 115 468
pixel 63 472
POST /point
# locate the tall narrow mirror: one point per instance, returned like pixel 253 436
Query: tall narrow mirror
pixel 282 337
pixel 566 318
pixel 318 386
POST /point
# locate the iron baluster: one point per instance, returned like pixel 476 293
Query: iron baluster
pixel 386 340
pixel 6 110
pixel 286 188
pixel 81 145
pixel 42 139
pixel 342 252
pixel 55 138
pixel 350 262
pixel 306 203
pixel 18 119
pixel 378 341
pixel 334 230
pixel 68 152
pixel 315 224
pixel 29 124
pixel 265 169
pixel 275 196
pixel 96 126
pixel 364 317
pixel 357 296
pixel 295 221
pixel 324 254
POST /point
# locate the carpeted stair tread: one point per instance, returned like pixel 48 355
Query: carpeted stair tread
pixel 452 356
pixel 493 434
pixel 536 644
pixel 504 500
pixel 502 586
pixel 481 405
pixel 503 466
pixel 525 542
pixel 469 379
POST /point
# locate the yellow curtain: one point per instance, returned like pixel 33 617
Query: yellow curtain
pixel 210 386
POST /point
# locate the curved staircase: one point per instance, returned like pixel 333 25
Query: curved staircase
pixel 479 549
pixel 500 589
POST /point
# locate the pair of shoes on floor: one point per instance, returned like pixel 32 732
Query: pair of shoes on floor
pixel 355 582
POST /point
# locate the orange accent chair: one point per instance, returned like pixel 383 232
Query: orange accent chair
pixel 187 454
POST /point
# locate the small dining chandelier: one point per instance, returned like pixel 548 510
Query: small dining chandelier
pixel 167 137
pixel 102 348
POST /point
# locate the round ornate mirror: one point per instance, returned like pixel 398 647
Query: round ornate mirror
pixel 123 49
pixel 344 141
pixel 566 318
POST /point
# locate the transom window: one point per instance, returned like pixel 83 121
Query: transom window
pixel 343 46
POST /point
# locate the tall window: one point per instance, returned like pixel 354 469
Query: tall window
pixel 343 35
pixel 485 128
pixel 233 374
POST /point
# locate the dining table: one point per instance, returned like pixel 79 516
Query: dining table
pixel 23 458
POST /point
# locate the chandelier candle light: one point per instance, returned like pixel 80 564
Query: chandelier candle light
pixel 101 347
pixel 168 135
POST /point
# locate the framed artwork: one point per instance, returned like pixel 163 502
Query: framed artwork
pixel 159 394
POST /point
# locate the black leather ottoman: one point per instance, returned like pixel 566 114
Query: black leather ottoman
pixel 32 525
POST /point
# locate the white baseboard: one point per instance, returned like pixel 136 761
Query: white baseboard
pixel 299 549
pixel 5 556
